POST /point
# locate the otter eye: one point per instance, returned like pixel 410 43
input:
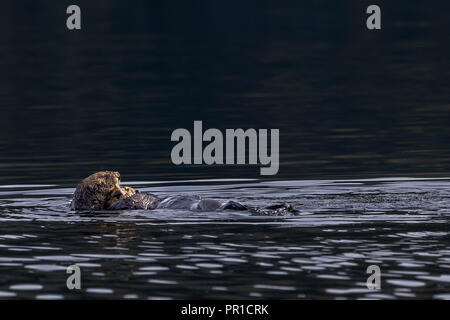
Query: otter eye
pixel 117 194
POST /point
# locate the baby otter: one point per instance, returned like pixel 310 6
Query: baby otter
pixel 102 191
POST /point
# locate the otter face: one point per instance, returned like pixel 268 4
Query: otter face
pixel 100 191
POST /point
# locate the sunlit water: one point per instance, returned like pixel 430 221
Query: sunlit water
pixel 399 224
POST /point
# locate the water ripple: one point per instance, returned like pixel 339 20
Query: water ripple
pixel 343 227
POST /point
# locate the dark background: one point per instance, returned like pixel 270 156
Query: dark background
pixel 349 102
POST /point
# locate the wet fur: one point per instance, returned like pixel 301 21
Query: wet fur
pixel 100 191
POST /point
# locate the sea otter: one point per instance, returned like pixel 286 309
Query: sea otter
pixel 102 191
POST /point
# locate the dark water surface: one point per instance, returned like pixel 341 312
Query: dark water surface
pixel 348 102
pixel 354 108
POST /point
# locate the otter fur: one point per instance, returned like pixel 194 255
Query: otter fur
pixel 102 191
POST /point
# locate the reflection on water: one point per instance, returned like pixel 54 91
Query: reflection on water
pixel 343 227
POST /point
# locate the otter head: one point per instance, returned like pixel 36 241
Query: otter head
pixel 100 191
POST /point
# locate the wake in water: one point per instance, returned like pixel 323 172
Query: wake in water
pixel 356 200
